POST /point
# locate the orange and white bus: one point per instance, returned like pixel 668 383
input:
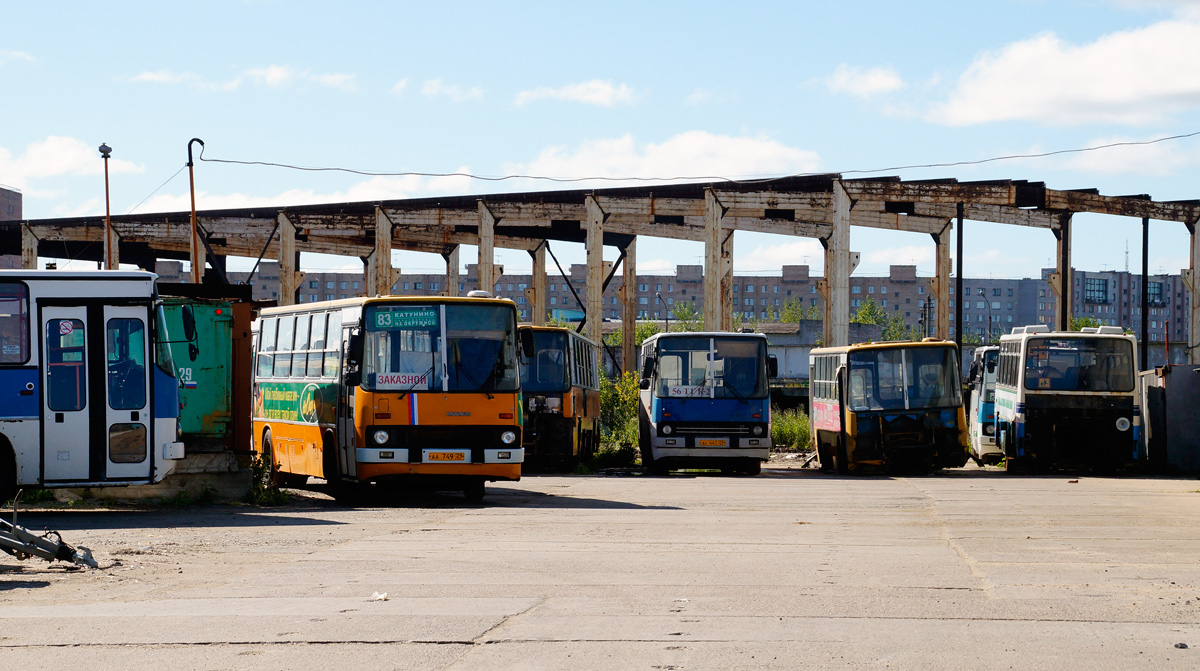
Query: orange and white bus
pixel 395 391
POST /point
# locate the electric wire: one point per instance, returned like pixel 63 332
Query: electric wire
pixel 500 178
pixel 160 186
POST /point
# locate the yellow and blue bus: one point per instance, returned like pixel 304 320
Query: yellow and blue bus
pixel 560 385
pixel 1068 399
pixel 400 392
pixel 90 388
pixel 705 402
pixel 887 406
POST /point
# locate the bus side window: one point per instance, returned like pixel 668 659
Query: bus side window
pixel 316 346
pixel 266 347
pixel 333 344
pixel 283 353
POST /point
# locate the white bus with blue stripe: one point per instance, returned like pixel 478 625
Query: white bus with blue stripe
pixel 90 395
pixel 1068 399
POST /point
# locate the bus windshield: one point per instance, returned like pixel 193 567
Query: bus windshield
pixel 699 367
pixel 902 378
pixel 1079 364
pixel 404 348
pixel 547 371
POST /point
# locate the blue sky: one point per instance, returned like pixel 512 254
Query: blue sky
pixel 613 90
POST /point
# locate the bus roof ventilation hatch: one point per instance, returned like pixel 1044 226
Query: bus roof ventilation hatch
pixel 479 293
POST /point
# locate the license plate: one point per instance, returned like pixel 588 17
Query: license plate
pixel 447 456
pixel 710 442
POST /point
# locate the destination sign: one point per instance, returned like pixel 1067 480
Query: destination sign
pixel 406 318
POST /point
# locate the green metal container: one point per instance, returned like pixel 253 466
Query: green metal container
pixel 206 417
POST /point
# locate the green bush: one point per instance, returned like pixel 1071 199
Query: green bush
pixel 263 491
pixel 618 421
pixel 790 429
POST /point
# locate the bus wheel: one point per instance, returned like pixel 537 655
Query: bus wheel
pixel 474 490
pixel 8 473
pixel 272 476
pixel 752 467
pixel 842 461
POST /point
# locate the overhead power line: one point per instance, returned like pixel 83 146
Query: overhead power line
pixel 713 178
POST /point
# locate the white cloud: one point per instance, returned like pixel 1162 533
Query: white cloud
pixel 1133 77
pixel 696 154
pixel 8 56
pixel 704 96
pixel 375 188
pixel 336 81
pixel 272 76
pixel 910 255
pixel 164 77
pixel 594 92
pixel 55 157
pixel 805 251
pixel 863 83
pixel 436 88
pixel 400 86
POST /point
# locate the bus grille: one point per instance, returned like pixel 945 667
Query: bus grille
pixel 470 439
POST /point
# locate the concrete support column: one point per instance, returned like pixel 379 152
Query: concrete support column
pixel 287 260
pixel 595 269
pixel 452 271
pixel 718 266
pixel 628 322
pixel 382 276
pixel 535 295
pixel 837 271
pixel 1192 280
pixel 485 267
pixel 941 283
pixel 1060 279
pixel 29 248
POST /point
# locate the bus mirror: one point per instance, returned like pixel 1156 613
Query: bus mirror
pixel 189 325
pixel 353 378
pixel 355 348
pixel 991 365
pixel 772 366
pixel 527 347
pixel 647 369
pixel 644 384
pixel 193 351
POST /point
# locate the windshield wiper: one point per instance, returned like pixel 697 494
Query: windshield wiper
pixel 404 392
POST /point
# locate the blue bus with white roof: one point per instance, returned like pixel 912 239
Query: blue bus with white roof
pixel 705 402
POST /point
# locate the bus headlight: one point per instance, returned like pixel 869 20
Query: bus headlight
pixel 667 429
pixel 508 437
pixel 989 429
pixel 757 430
pixel 381 437
pixel 1123 424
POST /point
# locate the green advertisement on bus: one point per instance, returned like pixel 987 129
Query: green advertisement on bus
pixel 303 402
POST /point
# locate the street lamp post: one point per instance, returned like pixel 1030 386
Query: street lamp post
pixel 197 252
pixel 111 257
pixel 666 313
pixel 983 294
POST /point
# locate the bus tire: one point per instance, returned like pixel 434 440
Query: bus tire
pixel 8 471
pixel 752 467
pixel 474 490
pixel 842 461
pixel 274 478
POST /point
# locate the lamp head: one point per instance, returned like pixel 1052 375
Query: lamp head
pixel 105 150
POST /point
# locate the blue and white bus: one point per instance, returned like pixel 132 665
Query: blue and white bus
pixel 90 394
pixel 981 406
pixel 705 402
pixel 1068 399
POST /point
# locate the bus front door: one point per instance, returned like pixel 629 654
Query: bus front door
pixel 128 415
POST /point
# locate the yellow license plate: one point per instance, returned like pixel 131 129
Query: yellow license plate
pixel 710 442
pixel 447 456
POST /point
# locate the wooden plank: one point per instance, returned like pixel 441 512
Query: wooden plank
pixel 629 309
pixel 287 260
pixel 487 240
pixel 1076 201
pixel 837 271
